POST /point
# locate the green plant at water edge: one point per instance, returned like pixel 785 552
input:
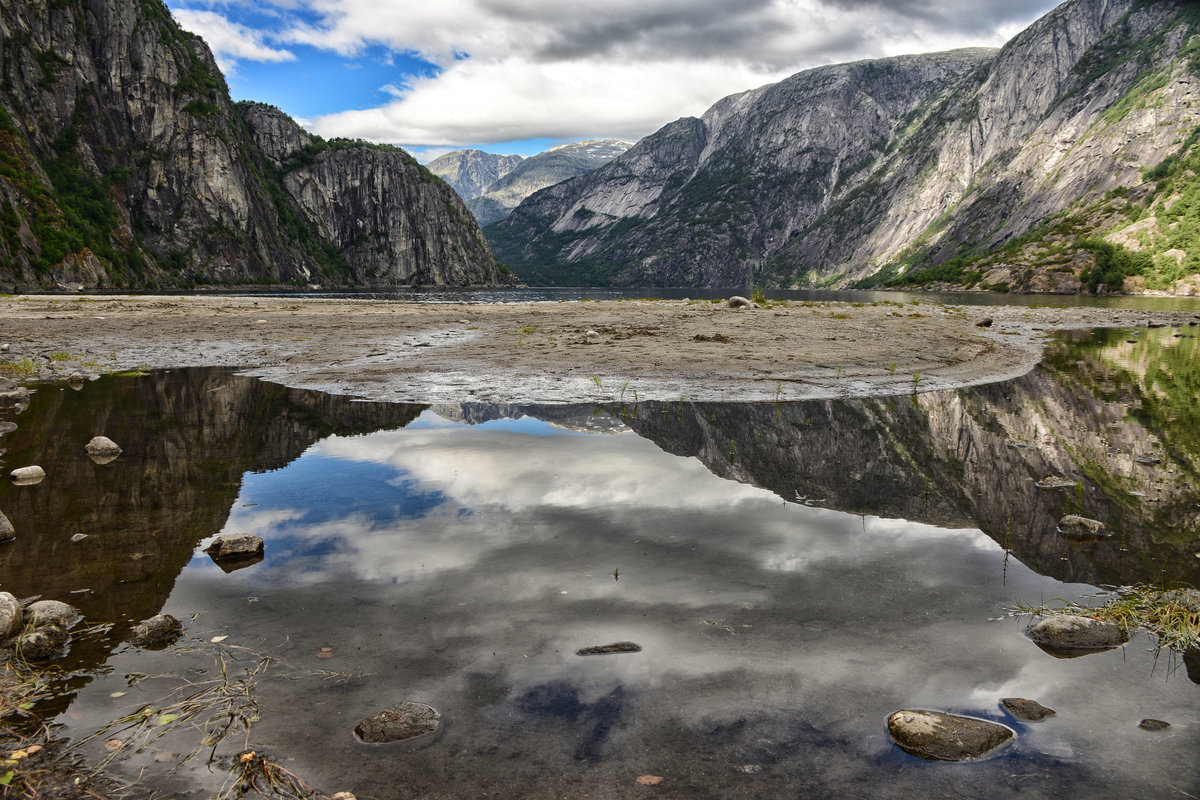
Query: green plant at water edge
pixel 596 380
pixel 62 355
pixel 19 369
pixel 1172 615
pixel 758 298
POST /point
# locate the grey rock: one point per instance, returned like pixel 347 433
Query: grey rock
pixel 1148 460
pixel 75 381
pixel 1081 529
pixel 14 396
pixel 471 172
pixel 405 720
pixel 235 546
pixel 43 644
pixel 836 171
pixel 102 450
pixel 11 615
pixel 28 476
pixel 739 302
pixel 591 337
pixel 610 649
pixel 7 427
pixel 938 736
pixel 1070 635
pixel 7 532
pixel 986 322
pixel 158 631
pixel 1154 725
pixel 1027 710
pixel 52 612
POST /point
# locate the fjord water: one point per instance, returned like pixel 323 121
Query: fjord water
pixel 793 573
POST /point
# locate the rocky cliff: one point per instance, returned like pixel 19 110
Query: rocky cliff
pixel 879 168
pixel 537 172
pixel 124 163
pixel 471 172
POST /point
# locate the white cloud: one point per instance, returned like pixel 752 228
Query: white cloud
pixel 229 40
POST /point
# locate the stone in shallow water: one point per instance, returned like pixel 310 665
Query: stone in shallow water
pixel 102 449
pixel 405 720
pixel 1027 710
pixel 52 612
pixel 235 545
pixel 44 644
pixel 7 531
pixel 7 427
pixel 1071 635
pixel 938 736
pixel 10 615
pixel 1081 529
pixel 607 649
pixel 158 631
pixel 1154 725
pixel 28 476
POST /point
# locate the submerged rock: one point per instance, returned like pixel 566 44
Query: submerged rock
pixel 28 476
pixel 739 302
pixel 939 736
pixel 11 615
pixel 1026 710
pixel 1081 529
pixel 102 449
pixel 1071 635
pixel 13 394
pixel 7 531
pixel 158 631
pixel 606 649
pixel 52 612
pixel 235 546
pixel 7 427
pixel 43 644
pixel 406 720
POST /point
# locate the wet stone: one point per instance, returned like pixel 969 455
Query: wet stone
pixel 11 615
pixel 28 476
pixel 235 546
pixel 52 612
pixel 608 649
pixel 406 720
pixel 7 427
pixel 1071 635
pixel 986 322
pixel 1026 710
pixel 43 644
pixel 158 631
pixel 7 531
pixel 13 394
pixel 1153 725
pixel 938 736
pixel 102 449
pixel 1081 529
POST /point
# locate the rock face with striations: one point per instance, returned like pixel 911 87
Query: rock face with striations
pixel 471 172
pixel 128 165
pixel 844 172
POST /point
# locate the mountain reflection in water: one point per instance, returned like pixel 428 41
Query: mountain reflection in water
pixel 460 555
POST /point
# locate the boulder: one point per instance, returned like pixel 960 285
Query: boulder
pixel 13 395
pixel 102 449
pixel 52 612
pixel 235 546
pixel 591 337
pixel 158 631
pixel 739 302
pixel 986 322
pixel 1026 710
pixel 43 644
pixel 7 427
pixel 406 720
pixel 1071 635
pixel 28 476
pixel 7 531
pixel 11 615
pixel 938 736
pixel 1081 529
pixel 75 381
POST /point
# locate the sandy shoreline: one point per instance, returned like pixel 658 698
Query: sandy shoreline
pixel 539 352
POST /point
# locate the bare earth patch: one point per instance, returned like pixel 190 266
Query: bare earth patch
pixel 390 350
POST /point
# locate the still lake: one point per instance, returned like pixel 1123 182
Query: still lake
pixel 793 573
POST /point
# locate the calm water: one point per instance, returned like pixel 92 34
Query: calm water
pixel 793 573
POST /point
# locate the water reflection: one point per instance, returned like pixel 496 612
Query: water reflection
pixel 851 560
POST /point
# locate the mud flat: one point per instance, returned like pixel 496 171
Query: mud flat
pixel 513 352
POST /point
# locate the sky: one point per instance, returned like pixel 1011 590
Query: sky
pixel 518 76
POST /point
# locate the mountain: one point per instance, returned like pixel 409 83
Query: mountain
pixel 471 172
pixel 874 171
pixel 123 162
pixel 537 172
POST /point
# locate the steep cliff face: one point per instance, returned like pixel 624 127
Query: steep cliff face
pixel 845 172
pixel 537 172
pixel 124 163
pixel 389 218
pixel 471 172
